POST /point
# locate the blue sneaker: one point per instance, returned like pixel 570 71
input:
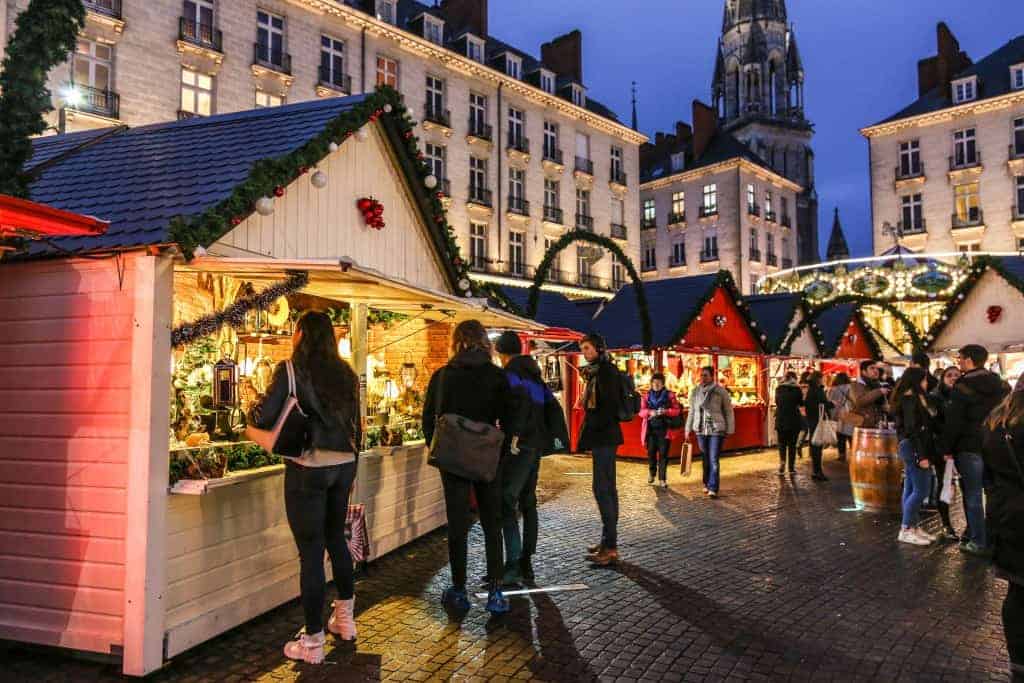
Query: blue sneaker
pixel 456 598
pixel 497 603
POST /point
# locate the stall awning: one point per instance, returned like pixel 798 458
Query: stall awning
pixel 20 217
pixel 344 281
pixel 556 312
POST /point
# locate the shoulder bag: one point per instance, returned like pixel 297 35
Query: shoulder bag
pixel 290 435
pixel 463 447
pixel 825 433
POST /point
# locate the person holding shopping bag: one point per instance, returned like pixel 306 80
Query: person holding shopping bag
pixel 321 386
pixel 819 424
pixel 712 419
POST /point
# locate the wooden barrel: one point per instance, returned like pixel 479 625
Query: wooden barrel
pixel 876 471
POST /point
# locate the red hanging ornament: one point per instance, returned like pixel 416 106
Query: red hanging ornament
pixel 994 314
pixel 364 204
pixel 279 191
pixel 408 135
pixel 457 262
pixel 373 212
pixel 303 169
pixel 235 220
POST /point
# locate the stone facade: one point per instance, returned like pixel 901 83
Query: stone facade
pixel 947 173
pixel 148 59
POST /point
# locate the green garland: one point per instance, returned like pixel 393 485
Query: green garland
pixel 495 292
pixel 46 32
pixel 609 244
pixel 859 301
pixel 384 106
pixel 982 264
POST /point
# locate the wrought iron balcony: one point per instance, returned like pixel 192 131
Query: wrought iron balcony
pixel 518 205
pixel 648 223
pixel 519 143
pixel 91 100
pixel 618 176
pixel 753 209
pixel 553 214
pixel 553 154
pixel 972 219
pixel 441 117
pixel 708 256
pixel 786 221
pixel 917 227
pixel 110 8
pixel 909 171
pixel 335 81
pixel 787 263
pixel 516 268
pixel 648 267
pixel 755 255
pixel 480 195
pixel 278 60
pixel 183 115
pixel 584 165
pixel 618 231
pixel 584 222
pixel 676 218
pixel 708 211
pixel 676 263
pixel 771 216
pixel 202 35
pixel 479 129
pixel 958 162
pixel 771 259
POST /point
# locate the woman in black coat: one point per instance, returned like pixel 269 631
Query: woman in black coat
pixel 814 402
pixel 788 421
pixel 940 399
pixel 1003 452
pixel 472 386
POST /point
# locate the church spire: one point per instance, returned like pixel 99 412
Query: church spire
pixel 838 249
pixel 635 123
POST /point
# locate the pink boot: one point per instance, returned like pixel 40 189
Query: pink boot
pixel 342 623
pixel 309 649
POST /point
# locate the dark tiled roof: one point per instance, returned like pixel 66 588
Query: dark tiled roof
pixel 1014 267
pixel 993 74
pixel 723 147
pixel 773 314
pixel 48 148
pixel 671 303
pixel 554 309
pixel 140 179
pixel 833 323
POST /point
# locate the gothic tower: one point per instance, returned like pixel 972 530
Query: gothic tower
pixel 758 90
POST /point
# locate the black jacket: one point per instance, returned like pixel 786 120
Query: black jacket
pixel 940 399
pixel 601 424
pixel 788 399
pixel 474 388
pixel 973 398
pixel 815 398
pixel 915 422
pixel 326 430
pixel 1005 463
pixel 538 415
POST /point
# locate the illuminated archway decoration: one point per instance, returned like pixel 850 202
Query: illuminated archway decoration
pixel 608 244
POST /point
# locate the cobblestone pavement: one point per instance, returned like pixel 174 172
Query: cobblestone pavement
pixel 777 580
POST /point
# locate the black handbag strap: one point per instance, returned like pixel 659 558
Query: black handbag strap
pixel 440 393
pixel 292 388
pixel 1013 454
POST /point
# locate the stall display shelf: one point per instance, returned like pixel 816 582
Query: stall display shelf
pixel 200 487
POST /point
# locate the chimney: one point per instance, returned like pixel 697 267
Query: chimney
pixel 683 132
pixel 468 15
pixel 938 71
pixel 659 138
pixel 705 125
pixel 564 55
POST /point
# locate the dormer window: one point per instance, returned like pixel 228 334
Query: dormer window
pixel 965 90
pixel 1017 77
pixel 475 48
pixel 547 81
pixel 578 96
pixel 433 29
pixel 678 160
pixel 387 12
pixel 513 66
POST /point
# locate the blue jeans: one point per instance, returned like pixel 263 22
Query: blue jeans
pixel 916 484
pixel 607 494
pixel 972 474
pixel 710 449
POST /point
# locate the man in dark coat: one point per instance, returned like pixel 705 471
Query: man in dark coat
pixel 602 435
pixel 788 421
pixel 974 396
pixel 542 430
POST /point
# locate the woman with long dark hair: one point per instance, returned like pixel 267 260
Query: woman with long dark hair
pixel 1003 452
pixel 472 386
pixel 816 405
pixel 940 399
pixel 915 425
pixel 317 484
pixel 839 396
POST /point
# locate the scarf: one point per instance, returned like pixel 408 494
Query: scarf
pixel 657 399
pixel 590 373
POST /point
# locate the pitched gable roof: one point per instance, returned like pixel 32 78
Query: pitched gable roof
pixel 774 315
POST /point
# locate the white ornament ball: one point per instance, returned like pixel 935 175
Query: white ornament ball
pixel 469 294
pixel 319 180
pixel 199 252
pixel 430 181
pixel 464 284
pixel 333 147
pixel 388 108
pixel 265 206
pixel 363 134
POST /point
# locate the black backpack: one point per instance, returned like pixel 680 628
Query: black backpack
pixel 629 401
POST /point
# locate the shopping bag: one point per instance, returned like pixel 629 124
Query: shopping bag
pixel 686 459
pixel 356 535
pixel 825 433
pixel 946 496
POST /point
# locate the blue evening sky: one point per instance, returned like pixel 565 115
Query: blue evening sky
pixel 860 59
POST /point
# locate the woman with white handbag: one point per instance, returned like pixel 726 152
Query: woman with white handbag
pixel 310 415
pixel 819 423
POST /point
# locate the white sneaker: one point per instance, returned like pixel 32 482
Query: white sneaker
pixel 663 484
pixel 342 623
pixel 908 536
pixel 925 535
pixel 309 649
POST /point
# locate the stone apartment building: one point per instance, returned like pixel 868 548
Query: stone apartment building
pixel 947 171
pixel 708 203
pixel 520 149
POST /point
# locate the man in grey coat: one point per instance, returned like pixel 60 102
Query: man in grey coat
pixel 712 419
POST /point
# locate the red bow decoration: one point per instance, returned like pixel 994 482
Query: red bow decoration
pixel 720 320
pixel 994 313
pixel 373 212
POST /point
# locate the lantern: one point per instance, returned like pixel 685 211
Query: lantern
pixel 409 374
pixel 225 379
